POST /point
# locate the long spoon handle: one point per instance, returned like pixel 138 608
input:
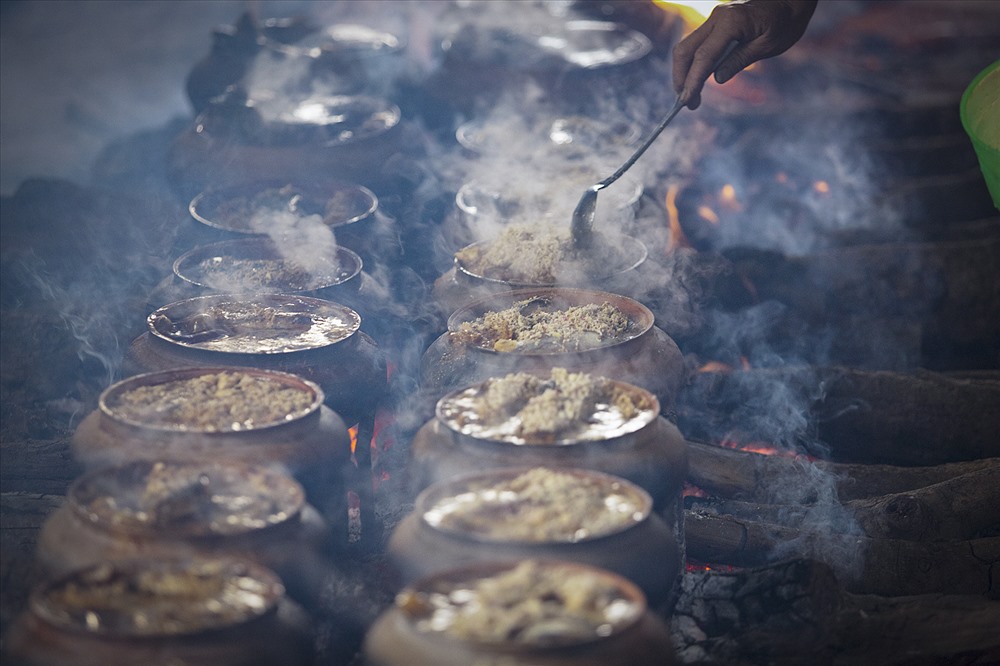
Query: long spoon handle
pixel 678 105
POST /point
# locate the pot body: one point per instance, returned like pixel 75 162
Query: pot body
pixel 314 449
pixel 654 458
pixel 456 288
pixel 280 638
pixel 172 289
pixel 201 156
pixel 393 641
pixel 645 553
pixel 294 550
pixel 352 373
pixel 651 360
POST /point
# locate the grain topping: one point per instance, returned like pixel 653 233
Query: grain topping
pixel 214 402
pixel 566 407
pixel 534 604
pixel 540 505
pixel 532 325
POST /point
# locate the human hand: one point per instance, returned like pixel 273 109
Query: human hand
pixel 762 28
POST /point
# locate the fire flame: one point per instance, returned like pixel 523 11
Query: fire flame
pixel 727 197
pixel 692 566
pixel 724 368
pixel 716 366
pixel 693 12
pixel 821 187
pixel 762 448
pixel 677 238
pixel 353 432
pixel 708 215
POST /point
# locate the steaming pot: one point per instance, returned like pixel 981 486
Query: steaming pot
pixel 312 444
pixel 343 361
pixel 643 550
pixel 461 284
pixel 203 270
pixel 647 357
pixel 160 510
pixel 654 456
pixel 94 617
pixel 397 639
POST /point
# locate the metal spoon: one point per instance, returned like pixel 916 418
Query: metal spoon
pixel 582 229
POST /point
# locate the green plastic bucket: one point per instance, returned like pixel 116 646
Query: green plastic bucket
pixel 980 111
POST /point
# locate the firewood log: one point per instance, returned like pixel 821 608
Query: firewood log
pixel 890 567
pixel 908 419
pixel 958 508
pixel 751 476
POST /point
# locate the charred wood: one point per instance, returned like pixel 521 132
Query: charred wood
pixel 910 419
pixel 746 475
pixel 937 287
pixel 778 613
pixel 959 508
pixel 888 567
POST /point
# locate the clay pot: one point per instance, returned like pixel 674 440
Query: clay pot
pixel 208 512
pixel 312 445
pixel 68 623
pixel 646 356
pixel 642 549
pixel 653 455
pixel 345 363
pixel 397 638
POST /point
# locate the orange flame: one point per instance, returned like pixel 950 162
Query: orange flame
pixel 677 238
pixel 353 432
pixel 727 197
pixel 762 448
pixel 708 214
pixel 821 187
pixel 692 566
pixel 716 366
pixel 690 490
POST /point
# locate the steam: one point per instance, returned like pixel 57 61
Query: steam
pixel 87 324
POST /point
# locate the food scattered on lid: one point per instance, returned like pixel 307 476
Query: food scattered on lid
pixel 533 604
pixel 533 325
pixel 159 598
pixel 542 255
pixel 234 274
pixel 194 499
pixel 540 505
pixel 291 324
pixel 225 401
pixel 566 407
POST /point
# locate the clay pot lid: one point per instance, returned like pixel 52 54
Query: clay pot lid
pixel 450 506
pixel 620 409
pixel 175 401
pixel 429 604
pixel 237 207
pixel 551 299
pixel 165 499
pixel 147 599
pixel 253 324
pixel 229 266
